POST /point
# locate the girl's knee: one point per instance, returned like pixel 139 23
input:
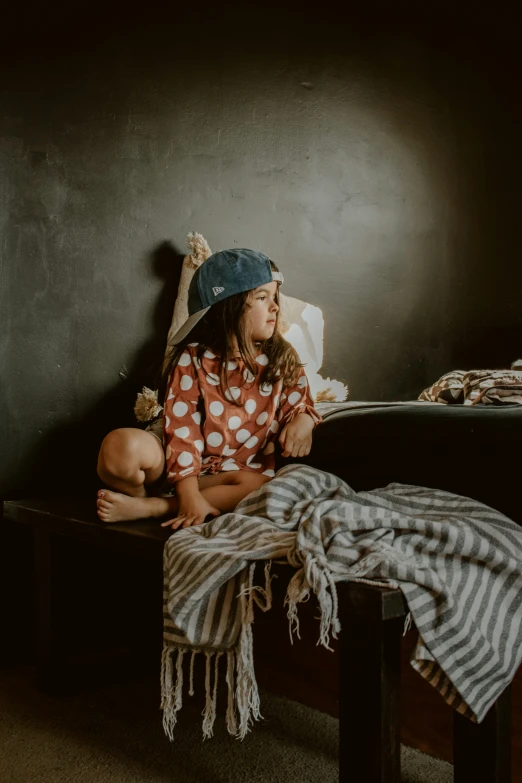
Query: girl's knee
pixel 120 450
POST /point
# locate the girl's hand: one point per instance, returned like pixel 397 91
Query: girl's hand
pixel 192 511
pixel 296 437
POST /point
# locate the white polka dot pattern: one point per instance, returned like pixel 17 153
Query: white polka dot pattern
pixel 185 383
pixel 180 409
pixel 254 465
pixel 214 439
pixel 250 406
pixel 229 465
pixel 233 393
pixel 216 408
pixel 208 431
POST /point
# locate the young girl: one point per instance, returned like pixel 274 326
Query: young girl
pixel 234 385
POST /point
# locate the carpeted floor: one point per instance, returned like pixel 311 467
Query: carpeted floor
pixel 115 735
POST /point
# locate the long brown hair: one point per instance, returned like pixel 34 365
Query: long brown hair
pixel 216 331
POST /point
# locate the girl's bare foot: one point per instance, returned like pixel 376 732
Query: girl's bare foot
pixel 117 507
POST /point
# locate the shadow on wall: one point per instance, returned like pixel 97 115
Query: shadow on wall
pixel 64 463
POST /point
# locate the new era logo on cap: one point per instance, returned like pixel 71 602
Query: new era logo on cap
pixel 217 290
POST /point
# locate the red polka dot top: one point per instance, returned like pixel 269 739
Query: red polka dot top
pixel 205 432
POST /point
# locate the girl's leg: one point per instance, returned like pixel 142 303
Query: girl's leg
pixel 130 460
pixel 224 490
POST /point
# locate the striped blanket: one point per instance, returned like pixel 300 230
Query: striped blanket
pixel 457 562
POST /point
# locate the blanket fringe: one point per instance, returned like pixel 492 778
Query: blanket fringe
pixel 167 692
pixel 247 694
pixel 209 713
pixel 261 596
pixel 243 694
pixel 313 577
pixel 296 592
pixel 231 707
pixel 243 704
pixel 172 687
pixel 191 675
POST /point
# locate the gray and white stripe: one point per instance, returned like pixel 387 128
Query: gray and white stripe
pixel 457 562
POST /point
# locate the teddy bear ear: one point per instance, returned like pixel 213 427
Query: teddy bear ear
pixel 517 364
pixel 199 249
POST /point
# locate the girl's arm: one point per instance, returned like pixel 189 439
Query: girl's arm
pixel 297 418
pixel 297 399
pixel 193 508
pixel 183 436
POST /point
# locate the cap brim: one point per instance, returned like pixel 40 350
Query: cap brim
pixel 187 327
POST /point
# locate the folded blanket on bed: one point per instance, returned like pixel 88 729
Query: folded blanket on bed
pixel 457 562
pixel 498 387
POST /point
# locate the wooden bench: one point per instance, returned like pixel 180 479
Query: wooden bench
pixel 365 667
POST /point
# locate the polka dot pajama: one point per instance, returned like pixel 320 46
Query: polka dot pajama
pixel 205 432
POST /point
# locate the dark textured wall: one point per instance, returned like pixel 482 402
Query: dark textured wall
pixel 377 159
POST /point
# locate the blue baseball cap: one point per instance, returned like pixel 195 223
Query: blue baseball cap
pixel 224 274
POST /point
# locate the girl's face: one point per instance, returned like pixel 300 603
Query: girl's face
pixel 262 311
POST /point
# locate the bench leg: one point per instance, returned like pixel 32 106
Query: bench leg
pixel 482 751
pixel 51 663
pixel 369 708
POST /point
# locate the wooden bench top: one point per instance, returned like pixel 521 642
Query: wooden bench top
pixel 79 520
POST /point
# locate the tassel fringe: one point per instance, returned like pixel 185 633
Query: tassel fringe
pixel 243 705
